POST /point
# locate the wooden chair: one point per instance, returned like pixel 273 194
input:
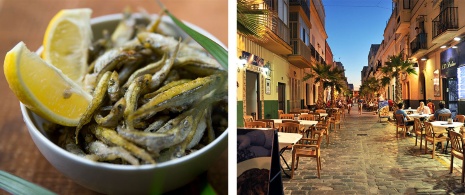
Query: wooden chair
pixel 418 128
pixel 336 120
pixel 308 117
pixel 304 111
pixel 255 124
pixel 269 122
pixel 456 140
pixel 248 118
pixel 286 116
pixel 432 137
pixel 280 112
pixel 400 123
pixel 320 111
pixel 343 113
pixel 444 116
pixel 307 147
pixel 290 127
pixel 316 116
pixel 460 118
pixel 323 128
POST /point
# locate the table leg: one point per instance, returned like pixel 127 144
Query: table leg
pixel 285 162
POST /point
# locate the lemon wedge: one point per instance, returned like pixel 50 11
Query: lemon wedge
pixel 67 40
pixel 43 88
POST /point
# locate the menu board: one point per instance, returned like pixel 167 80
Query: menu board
pixel 258 166
pixel 461 82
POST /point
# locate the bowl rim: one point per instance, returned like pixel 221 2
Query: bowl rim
pixel 27 113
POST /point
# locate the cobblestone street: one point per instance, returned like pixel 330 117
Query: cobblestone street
pixel 364 157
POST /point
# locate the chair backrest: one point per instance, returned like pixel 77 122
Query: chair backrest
pixel 417 126
pixel 289 127
pixel 291 121
pixel 316 116
pixel 429 130
pixel 286 116
pixel 337 116
pixel 248 118
pixel 304 111
pixel 269 122
pixel 456 140
pixel 443 116
pixel 320 111
pixel 460 118
pixel 255 124
pixel 308 117
pixel 280 112
pixel 400 119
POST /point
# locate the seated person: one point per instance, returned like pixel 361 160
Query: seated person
pixel 441 110
pixel 422 109
pixel 407 119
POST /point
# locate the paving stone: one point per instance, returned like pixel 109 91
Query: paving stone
pixel 378 163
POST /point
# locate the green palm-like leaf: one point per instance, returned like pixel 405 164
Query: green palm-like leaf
pixel 16 185
pixel 252 20
pixel 217 51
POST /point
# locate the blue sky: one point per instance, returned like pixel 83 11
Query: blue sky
pixel 352 26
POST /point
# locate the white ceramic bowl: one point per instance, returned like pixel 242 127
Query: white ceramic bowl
pixel 124 179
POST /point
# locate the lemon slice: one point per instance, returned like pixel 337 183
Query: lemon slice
pixel 67 40
pixel 43 88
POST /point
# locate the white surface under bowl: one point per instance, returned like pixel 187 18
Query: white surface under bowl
pixel 124 179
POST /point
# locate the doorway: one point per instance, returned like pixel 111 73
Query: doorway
pixel 253 103
pixel 451 95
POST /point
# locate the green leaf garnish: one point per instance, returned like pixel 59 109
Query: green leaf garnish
pixel 218 52
pixel 16 185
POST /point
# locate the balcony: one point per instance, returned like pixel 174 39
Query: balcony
pixel 301 54
pixel 279 40
pixel 445 25
pixel 314 53
pixel 418 43
pixel 403 17
pixel 303 4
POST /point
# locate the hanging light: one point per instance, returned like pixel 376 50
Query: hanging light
pixel 424 58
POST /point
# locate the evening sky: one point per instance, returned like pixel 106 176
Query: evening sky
pixel 352 26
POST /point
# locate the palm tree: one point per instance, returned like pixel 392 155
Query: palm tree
pixel 395 67
pixel 327 77
pixel 252 21
pixel 335 82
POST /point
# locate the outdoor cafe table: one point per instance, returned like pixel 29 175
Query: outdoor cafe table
pixel 285 140
pixel 409 110
pixel 454 126
pixel 306 123
pixel 420 116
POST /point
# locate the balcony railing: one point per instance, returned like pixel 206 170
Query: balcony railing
pixel 446 20
pixel 316 55
pixel 281 29
pixel 299 48
pixel 419 42
pixel 303 4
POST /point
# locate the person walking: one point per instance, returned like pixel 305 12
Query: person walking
pixel 349 105
pixel 360 106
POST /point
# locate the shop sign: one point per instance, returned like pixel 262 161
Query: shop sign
pixel 253 59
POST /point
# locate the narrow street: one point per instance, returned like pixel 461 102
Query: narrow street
pixel 364 157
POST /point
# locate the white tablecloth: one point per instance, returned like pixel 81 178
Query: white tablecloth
pixel 445 125
pixel 286 139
